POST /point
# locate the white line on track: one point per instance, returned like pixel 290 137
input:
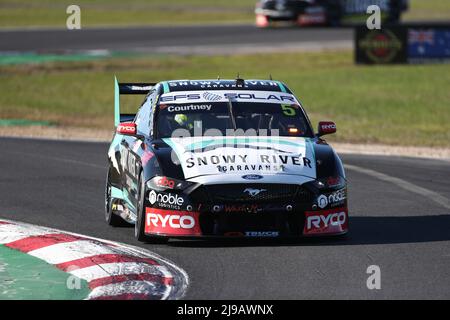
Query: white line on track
pixel 34 155
pixel 434 196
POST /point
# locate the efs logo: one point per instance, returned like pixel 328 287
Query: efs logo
pixel 171 222
pixel 326 221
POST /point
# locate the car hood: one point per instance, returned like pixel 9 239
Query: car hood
pixel 215 160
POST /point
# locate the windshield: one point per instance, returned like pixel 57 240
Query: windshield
pixel 208 118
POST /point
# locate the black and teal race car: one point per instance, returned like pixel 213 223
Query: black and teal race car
pixel 325 12
pixel 222 158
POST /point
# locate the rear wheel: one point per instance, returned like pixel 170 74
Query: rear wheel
pixel 111 218
pixel 139 227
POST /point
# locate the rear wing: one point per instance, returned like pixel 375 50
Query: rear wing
pixel 127 88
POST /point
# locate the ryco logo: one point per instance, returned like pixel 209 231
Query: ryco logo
pixel 319 221
pixel 330 126
pixel 173 221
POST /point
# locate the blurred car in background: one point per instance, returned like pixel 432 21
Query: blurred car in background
pixel 324 12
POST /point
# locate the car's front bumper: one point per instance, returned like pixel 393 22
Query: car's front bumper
pixel 292 211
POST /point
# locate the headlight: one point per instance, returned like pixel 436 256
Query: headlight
pixel 161 183
pixel 329 183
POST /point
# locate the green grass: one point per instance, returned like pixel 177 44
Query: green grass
pixel 19 13
pixel 406 105
pixel 27 13
pixel 428 10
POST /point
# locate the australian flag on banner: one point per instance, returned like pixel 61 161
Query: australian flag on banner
pixel 429 44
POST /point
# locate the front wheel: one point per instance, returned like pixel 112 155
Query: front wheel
pixel 139 227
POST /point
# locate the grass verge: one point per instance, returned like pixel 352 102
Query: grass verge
pixel 26 13
pixel 407 105
pixel 20 13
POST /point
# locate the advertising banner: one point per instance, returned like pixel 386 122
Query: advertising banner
pixel 403 44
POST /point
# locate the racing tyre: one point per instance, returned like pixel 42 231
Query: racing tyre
pixel 139 227
pixel 111 218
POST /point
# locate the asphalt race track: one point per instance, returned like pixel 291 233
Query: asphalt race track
pixel 171 39
pixel 400 221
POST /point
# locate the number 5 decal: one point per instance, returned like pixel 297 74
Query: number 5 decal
pixel 288 110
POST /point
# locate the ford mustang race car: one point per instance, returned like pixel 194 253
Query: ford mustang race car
pixel 222 158
pixel 325 12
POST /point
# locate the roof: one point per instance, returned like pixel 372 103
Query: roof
pixel 250 85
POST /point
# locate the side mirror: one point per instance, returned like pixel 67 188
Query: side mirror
pixel 326 127
pixel 127 128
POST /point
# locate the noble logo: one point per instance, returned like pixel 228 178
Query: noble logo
pixel 166 200
pixel 331 199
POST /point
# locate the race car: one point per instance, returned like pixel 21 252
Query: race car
pixel 222 158
pixel 325 12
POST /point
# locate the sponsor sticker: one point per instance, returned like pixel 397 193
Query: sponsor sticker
pixel 326 221
pixel 252 177
pixel 248 157
pixel 186 97
pixel 233 234
pixel 166 200
pixel 243 208
pixel 219 84
pixel 211 96
pixel 189 107
pixel 328 127
pixel 165 182
pixel 172 222
pixel 254 192
pixel 262 233
pixel 332 199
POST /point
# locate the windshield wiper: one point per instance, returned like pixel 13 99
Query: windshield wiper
pixel 230 110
